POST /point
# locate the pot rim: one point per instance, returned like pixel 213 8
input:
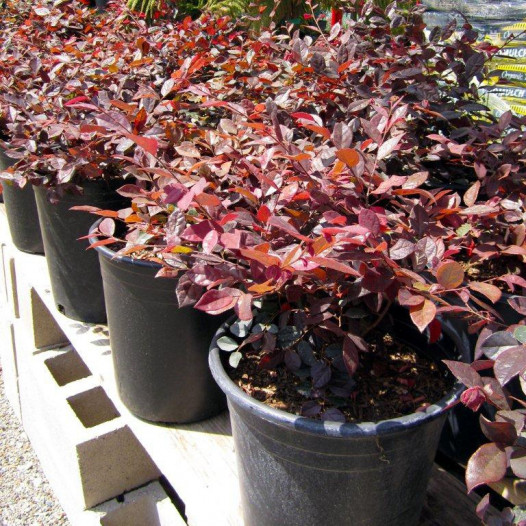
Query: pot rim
pixel 332 429
pixel 105 251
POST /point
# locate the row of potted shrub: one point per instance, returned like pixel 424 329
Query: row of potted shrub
pixel 346 194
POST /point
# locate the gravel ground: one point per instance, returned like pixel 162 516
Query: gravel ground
pixel 26 498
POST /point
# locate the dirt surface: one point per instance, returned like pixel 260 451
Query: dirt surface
pixel 392 381
pixel 492 268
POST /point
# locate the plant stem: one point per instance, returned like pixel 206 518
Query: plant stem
pixel 379 319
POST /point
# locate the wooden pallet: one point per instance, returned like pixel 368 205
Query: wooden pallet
pixel 198 460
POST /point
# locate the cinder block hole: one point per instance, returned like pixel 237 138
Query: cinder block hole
pixel 93 407
pixel 139 511
pixel 68 367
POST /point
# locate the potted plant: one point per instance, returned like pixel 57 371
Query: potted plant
pixel 314 210
pixel 20 202
pixel 53 145
pixel 159 345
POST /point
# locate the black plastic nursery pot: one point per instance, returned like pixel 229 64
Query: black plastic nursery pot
pixel 21 211
pixel 297 471
pixel 74 271
pixel 160 351
pixel 22 217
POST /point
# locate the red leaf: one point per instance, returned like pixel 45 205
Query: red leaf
pixel 334 264
pixel 81 98
pixel 514 250
pixel 490 291
pixel 218 301
pixel 147 144
pixel 261 257
pixel 210 241
pixel 349 156
pixel 102 242
pixel 401 249
pixel 130 190
pixel 488 464
pixel 210 200
pixel 303 115
pixel 408 299
pixel 512 279
pixel 263 214
pixel 435 330
pixel 385 186
pixel 478 210
pixel 140 120
pixel 450 274
pixel 283 224
pixel 243 307
pixel 518 303
pixel 470 197
pixel 423 314
pixel 197 232
pixel 319 129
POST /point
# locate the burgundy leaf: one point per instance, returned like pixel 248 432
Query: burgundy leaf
pixel 519 304
pixel 509 363
pixel 488 464
pixel 321 375
pixel 368 219
pixel 465 373
pixel 401 249
pixel 351 357
pixel 283 224
pixel 502 432
pixel 496 343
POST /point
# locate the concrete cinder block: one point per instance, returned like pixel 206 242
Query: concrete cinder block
pixel 88 453
pixel 8 359
pixel 9 282
pixel 148 505
pixel 41 331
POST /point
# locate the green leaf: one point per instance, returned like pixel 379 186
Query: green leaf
pixel 234 359
pixel 227 344
pixel 520 333
pixel 463 229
